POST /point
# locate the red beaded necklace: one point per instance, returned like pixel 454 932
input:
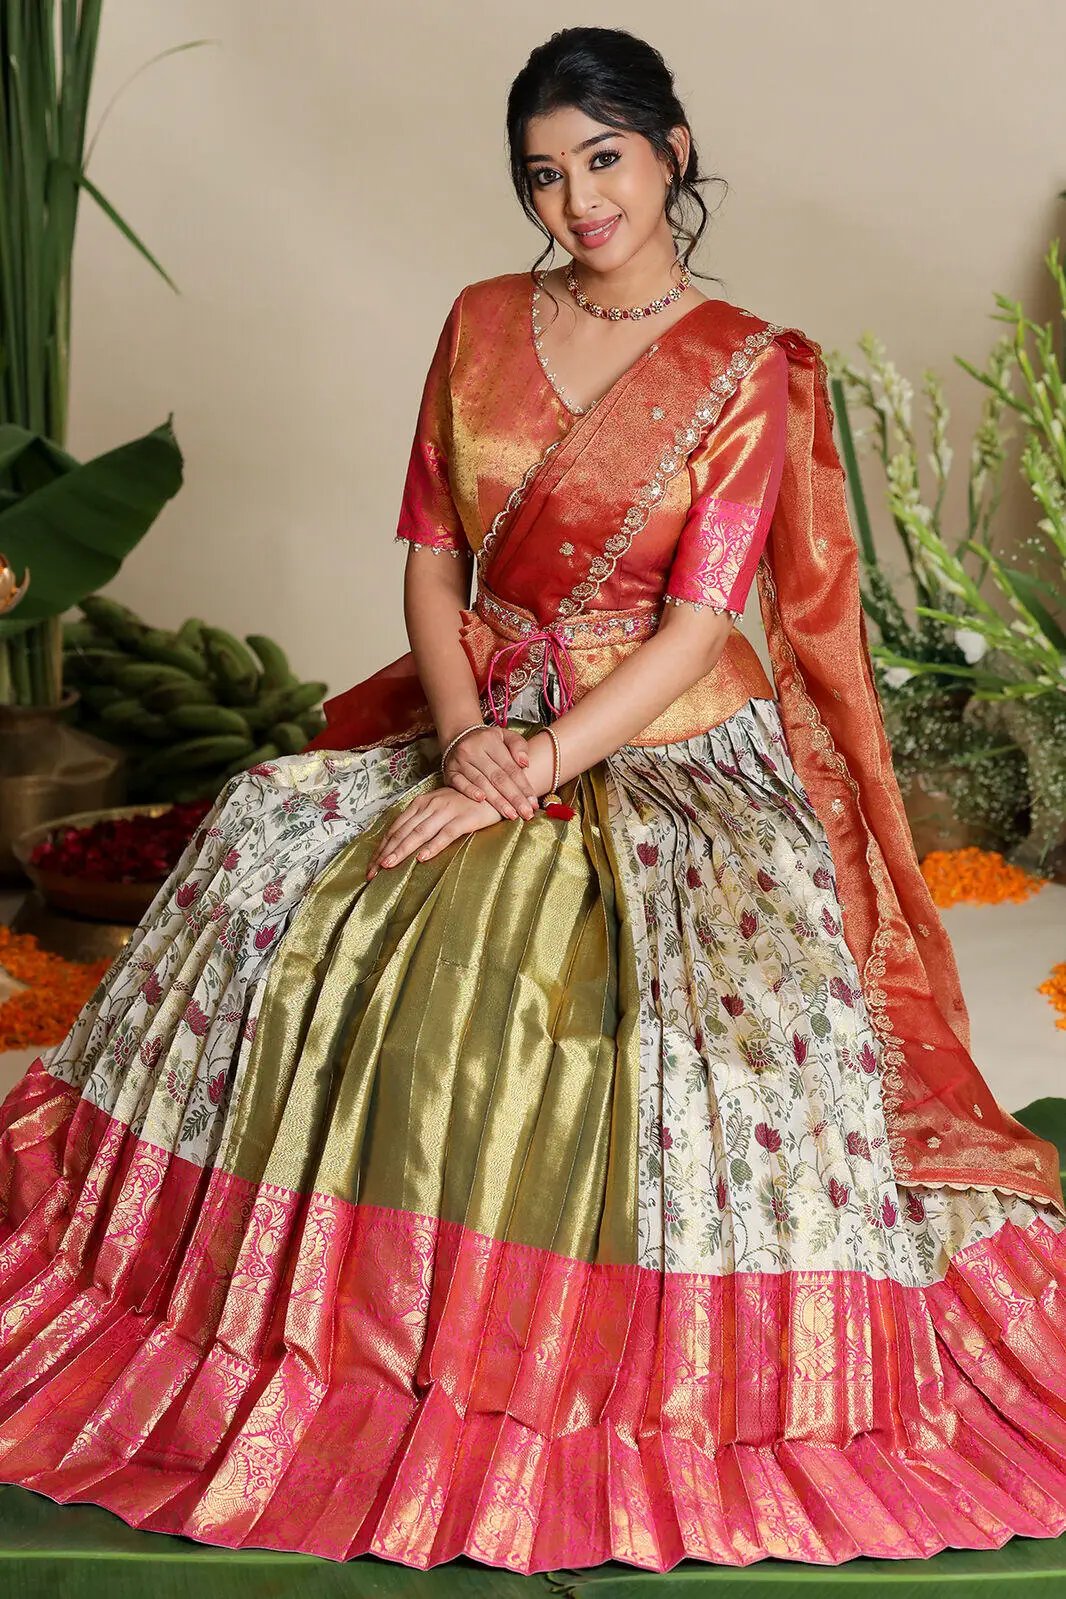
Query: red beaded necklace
pixel 619 313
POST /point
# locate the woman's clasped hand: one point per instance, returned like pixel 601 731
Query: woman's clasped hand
pixel 484 778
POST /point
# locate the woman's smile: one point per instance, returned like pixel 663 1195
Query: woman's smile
pixel 591 238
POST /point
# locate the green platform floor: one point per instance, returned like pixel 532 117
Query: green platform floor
pixel 78 1551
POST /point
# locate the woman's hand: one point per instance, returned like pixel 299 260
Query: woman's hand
pixel 489 765
pixel 428 824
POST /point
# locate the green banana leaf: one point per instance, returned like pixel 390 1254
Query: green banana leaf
pixel 1031 1568
pixel 1047 1118
pixel 52 1551
pixel 74 523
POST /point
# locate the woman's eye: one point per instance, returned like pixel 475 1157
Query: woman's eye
pixel 550 172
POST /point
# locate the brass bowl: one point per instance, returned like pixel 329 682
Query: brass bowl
pixel 89 896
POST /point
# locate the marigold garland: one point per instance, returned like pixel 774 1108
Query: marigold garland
pixel 43 1012
pixel 976 876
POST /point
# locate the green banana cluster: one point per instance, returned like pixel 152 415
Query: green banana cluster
pixel 191 708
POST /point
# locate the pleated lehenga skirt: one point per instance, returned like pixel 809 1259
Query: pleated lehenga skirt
pixel 532 1202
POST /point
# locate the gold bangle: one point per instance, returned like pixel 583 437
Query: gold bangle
pixel 475 727
pixel 552 798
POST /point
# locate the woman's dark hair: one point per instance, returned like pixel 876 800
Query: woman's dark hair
pixel 621 81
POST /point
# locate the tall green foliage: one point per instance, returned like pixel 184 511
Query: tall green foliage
pixel 50 519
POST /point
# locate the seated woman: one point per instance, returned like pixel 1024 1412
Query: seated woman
pixel 537 1120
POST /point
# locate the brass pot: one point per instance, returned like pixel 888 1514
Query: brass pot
pixel 121 903
pixel 48 769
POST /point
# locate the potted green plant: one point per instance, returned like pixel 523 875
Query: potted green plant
pixel 964 781
pixel 1015 613
pixel 65 525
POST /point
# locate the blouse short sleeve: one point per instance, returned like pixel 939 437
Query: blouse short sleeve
pixel 429 518
pixel 736 475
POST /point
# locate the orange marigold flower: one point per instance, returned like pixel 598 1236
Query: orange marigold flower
pixel 42 1013
pixel 1055 989
pixel 977 876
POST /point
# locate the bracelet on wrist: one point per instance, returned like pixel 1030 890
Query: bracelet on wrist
pixel 551 803
pixel 475 727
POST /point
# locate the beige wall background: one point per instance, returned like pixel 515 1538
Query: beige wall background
pixel 323 178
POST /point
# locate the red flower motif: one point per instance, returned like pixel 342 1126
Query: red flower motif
pixel 262 769
pixel 186 894
pixel 152 989
pixel 765 881
pixel 666 1139
pixel 856 1144
pixel 758 1055
pixel 649 853
pixel 196 1019
pixel 272 892
pixel 868 1058
pixel 768 1137
pixel 249 1027
pixel 915 1207
pixel 150 1052
pixel 822 878
pixel 839 1193
pixel 230 859
pixel 748 923
pixel 799 1048
pixel 819 1127
pixel 693 878
pixel 720 1193
pixel 831 927
pixel 840 990
pixel 889 1213
pixel 215 1087
pixel 264 936
pixel 733 1004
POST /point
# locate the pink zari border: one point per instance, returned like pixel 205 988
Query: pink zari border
pixel 255 1368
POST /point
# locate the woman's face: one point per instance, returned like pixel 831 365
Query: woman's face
pixel 583 173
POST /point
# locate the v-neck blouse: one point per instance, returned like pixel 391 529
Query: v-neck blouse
pixel 488 412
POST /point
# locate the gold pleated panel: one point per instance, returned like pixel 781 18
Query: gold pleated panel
pixel 458 1037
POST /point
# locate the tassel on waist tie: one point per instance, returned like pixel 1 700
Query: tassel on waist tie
pixel 556 651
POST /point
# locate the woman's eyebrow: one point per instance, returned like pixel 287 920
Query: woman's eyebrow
pixel 596 137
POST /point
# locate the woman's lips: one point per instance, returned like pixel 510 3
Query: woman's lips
pixel 592 241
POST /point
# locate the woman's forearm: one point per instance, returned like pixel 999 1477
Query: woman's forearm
pixel 630 697
pixel 637 691
pixel 435 589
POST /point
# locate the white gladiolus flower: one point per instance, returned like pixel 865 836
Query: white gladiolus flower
pixel 973 645
pixel 896 676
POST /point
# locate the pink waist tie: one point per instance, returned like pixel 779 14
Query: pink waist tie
pixel 556 650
